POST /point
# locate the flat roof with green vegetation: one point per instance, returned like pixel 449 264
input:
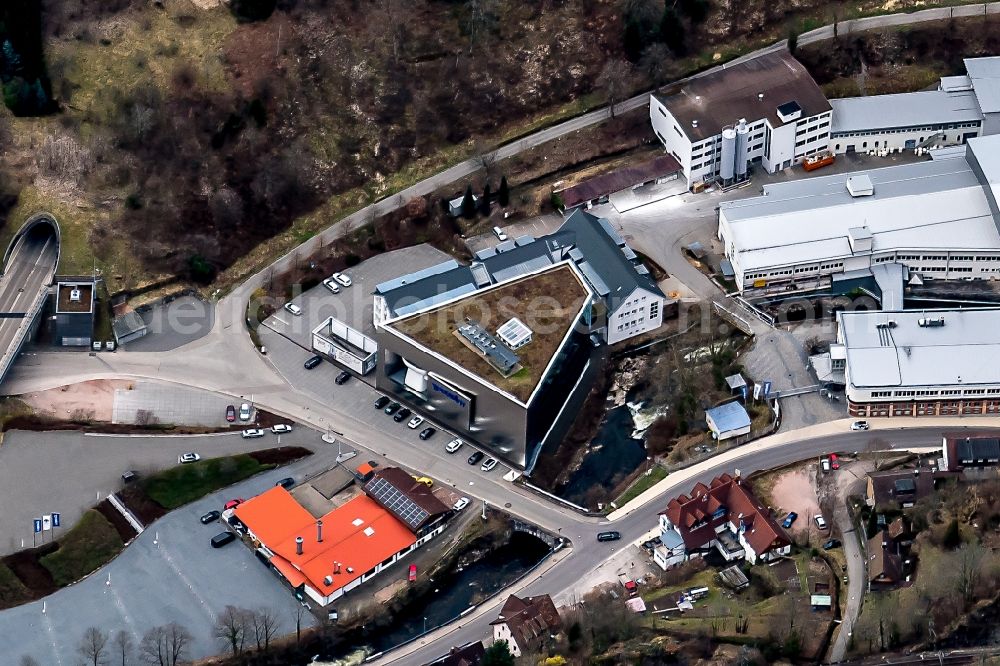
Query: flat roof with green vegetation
pixel 548 302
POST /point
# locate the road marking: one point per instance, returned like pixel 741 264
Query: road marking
pixel 124 615
pixel 48 628
pixel 184 579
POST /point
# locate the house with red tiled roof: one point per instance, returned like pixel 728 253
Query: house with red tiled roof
pixel 724 515
pixel 527 624
pixel 325 557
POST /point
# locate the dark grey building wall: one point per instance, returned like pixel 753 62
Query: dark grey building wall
pixel 500 425
pixel 73 325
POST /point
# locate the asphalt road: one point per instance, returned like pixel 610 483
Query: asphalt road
pixel 857 578
pixel 27 272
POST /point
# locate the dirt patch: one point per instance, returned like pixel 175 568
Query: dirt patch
pixel 389 591
pixel 281 455
pixel 117 520
pixel 46 423
pixel 143 508
pixel 91 401
pixel 26 567
pixel 795 490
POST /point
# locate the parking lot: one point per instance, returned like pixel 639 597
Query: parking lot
pixel 193 583
pixel 169 404
pixel 174 324
pixel 353 305
pixel 68 472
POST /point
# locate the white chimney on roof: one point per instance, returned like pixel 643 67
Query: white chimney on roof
pixel 694 123
pixel 760 96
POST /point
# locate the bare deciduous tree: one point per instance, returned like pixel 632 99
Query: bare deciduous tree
pixel 265 626
pixel 123 646
pixel 92 646
pixel 655 63
pixel 300 612
pixel 165 645
pixel 614 81
pixel 232 627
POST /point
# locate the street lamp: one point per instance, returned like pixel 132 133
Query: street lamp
pixel 425 625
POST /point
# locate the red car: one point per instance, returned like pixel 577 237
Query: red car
pixel 233 503
pixel 834 463
pixel 230 413
pixel 412 577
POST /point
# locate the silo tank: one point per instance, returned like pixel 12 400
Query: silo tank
pixel 742 148
pixel 728 164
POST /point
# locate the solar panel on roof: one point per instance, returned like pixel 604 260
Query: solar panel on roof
pixel 394 500
pixel 641 269
pixel 505 246
pixel 524 240
pixel 610 231
pixel 485 253
pixel 629 253
pixel 499 356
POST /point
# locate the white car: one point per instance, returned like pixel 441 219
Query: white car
pixel 488 465
pixel 245 412
pixel 253 433
pixel 294 309
pixel 453 445
pixel 461 504
pixel 280 428
pixel 415 422
pixel 188 458
pixel 332 285
pixel 820 521
pixel 343 279
pixel 860 425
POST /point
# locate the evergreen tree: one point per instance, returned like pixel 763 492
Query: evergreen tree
pixel 468 204
pixel 793 41
pixel 484 203
pixel 497 654
pixel 952 536
pixel 12 61
pixel 672 31
pixel 503 194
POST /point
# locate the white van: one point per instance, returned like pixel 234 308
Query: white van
pixel 499 233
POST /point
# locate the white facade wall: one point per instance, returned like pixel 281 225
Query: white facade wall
pixel 640 313
pixel 672 136
pixel 903 138
pixel 501 632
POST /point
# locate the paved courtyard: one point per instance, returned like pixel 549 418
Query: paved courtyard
pixel 174 324
pixel 170 404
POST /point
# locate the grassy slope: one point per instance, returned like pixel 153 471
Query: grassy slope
pixel 12 590
pixel 92 543
pixel 185 483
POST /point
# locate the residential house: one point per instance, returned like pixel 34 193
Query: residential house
pixel 469 654
pixel 900 488
pixel 724 515
pixel 885 566
pixel 527 624
pixel 974 455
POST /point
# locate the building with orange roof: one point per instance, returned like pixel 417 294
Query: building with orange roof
pixel 327 557
pixel 724 515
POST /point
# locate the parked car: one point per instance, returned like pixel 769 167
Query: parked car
pixel 427 433
pixel 286 482
pixel 608 536
pixel 488 465
pixel 425 480
pixel 453 445
pixel 831 544
pixel 252 433
pixel 401 415
pixel 312 362
pixel 825 464
pixel 279 428
pixel 210 517
pixel 342 378
pixel 820 521
pixel 860 425
pixel 475 457
pixel 130 476
pixel 834 462
pixel 230 413
pixel 342 278
pixel 332 285
pixel 294 309
pixel 412 573
pixel 789 519
pixel 223 538
pixel 233 503
pixel 188 458
pixel 381 402
pixel 245 412
pixel 391 408
pixel 461 504
pixel 415 422
pixel 500 234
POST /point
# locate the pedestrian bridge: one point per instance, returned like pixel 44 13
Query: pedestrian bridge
pixel 29 266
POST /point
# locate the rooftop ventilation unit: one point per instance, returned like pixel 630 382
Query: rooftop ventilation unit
pixel 789 111
pixel 930 322
pixel 500 357
pixel 515 334
pixel 860 186
pixel 74 295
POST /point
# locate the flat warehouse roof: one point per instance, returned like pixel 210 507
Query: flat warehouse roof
pixel 934 205
pixel 927 107
pixel 908 354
